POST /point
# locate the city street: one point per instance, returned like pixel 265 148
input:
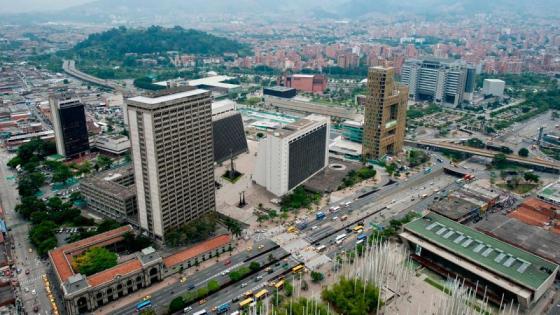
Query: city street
pixel 161 299
pixel 31 290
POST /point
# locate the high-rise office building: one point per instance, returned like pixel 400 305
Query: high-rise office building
pixel 171 137
pixel 290 155
pixel 69 124
pixel 442 81
pixel 385 114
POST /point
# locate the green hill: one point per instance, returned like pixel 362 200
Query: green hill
pixel 115 43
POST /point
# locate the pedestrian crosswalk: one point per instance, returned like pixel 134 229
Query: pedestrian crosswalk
pixel 31 280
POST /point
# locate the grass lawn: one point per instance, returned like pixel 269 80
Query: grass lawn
pixel 232 179
pixel 520 189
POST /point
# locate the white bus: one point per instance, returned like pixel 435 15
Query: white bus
pixel 320 248
pixel 340 238
pixel 202 312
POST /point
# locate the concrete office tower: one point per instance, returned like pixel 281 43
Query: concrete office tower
pixel 69 124
pixel 493 87
pixel 385 114
pixel 290 155
pixel 171 137
pixel 442 81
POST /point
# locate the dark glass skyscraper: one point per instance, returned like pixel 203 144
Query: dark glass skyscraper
pixel 69 123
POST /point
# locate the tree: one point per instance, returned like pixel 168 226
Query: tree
pixel 29 205
pixel 317 276
pixel 42 237
pixel 288 289
pixel 523 152
pixel 61 173
pixel 107 225
pixel 29 185
pixel 103 162
pixel 531 177
pixel 500 161
pixel 94 260
pixel 254 266
pixel 213 285
pixel 353 296
pixel 176 305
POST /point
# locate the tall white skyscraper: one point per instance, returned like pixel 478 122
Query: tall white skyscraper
pixel 171 137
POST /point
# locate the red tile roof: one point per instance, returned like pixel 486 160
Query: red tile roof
pixel 110 274
pixel 200 248
pixel 62 256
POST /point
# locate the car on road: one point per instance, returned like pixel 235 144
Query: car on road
pixel 33 292
pixel 201 301
pixel 227 262
pixel 191 286
pixel 313 228
pixel 26 290
pixel 36 308
pixel 261 246
pixel 244 284
pixel 147 297
pixel 27 271
pixel 187 309
pixel 335 218
pixel 258 278
pixel 183 279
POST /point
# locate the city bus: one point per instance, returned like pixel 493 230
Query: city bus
pixel 361 237
pixel 202 312
pixel 261 294
pixel 321 248
pixel 340 238
pixel 297 268
pixel 279 284
pixel 143 305
pixel 245 302
pixel 357 228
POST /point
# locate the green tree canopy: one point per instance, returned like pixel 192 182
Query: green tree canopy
pixel 176 305
pixel 523 152
pixel 531 177
pixel 352 296
pixel 94 260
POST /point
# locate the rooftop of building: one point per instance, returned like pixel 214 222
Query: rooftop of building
pixel 298 75
pixel 453 207
pixel 162 98
pixel 299 125
pixel 551 192
pixel 119 270
pixel 481 192
pixel 535 212
pixel 501 258
pixel 279 88
pixel 536 240
pixel 495 80
pixel 62 256
pixel 106 181
pixel 194 251
pixel 217 80
pixel 223 106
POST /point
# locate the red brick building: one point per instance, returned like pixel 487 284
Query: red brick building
pixel 311 83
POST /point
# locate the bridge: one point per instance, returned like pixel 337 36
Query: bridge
pixel 69 66
pixel 534 163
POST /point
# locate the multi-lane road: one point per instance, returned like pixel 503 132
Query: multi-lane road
pixel 31 290
pixel 260 253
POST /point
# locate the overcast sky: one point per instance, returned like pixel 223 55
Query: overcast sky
pixel 18 6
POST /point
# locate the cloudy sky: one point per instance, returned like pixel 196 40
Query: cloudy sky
pixel 18 6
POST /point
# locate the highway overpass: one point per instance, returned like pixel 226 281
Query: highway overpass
pixel 69 66
pixel 533 163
